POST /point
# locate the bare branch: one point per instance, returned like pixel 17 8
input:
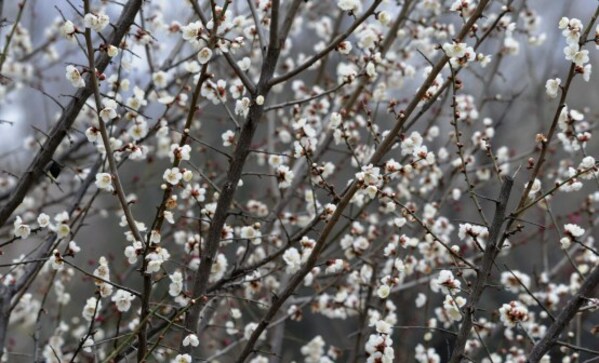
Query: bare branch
pixel 485 271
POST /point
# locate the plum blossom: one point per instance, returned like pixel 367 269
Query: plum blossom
pixel 191 340
pixel 122 299
pixel 284 176
pixel 74 77
pixel 513 313
pixel 176 286
pixel 43 220
pixel 251 233
pixel 56 261
pixel 92 306
pixel 156 259
pixel 73 248
pixel 96 22
pixel 68 30
pixel 139 129
pixel 576 55
pixel 455 50
pixel 379 348
pixel 204 55
pixel 383 291
pixel 552 87
pixel 228 138
pixel 21 230
pixel 452 306
pixel 249 330
pixel 571 29
pixel 104 182
pixel 349 5
pixel 313 351
pixel 573 230
pixel 172 176
pixel 109 111
pixel 446 283
pixel 112 51
pixel 133 251
pixel 182 358
pixel 515 281
pixel 292 258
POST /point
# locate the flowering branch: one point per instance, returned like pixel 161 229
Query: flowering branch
pixel 35 170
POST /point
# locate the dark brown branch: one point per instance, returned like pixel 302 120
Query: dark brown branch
pixel 259 29
pixel 484 272
pixel 567 313
pixel 240 155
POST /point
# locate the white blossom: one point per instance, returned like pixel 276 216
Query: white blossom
pixel 383 291
pixel 160 79
pixel 21 230
pixel 420 300
pixel 56 261
pixel 457 50
pixel 104 182
pixel 251 233
pixel 112 51
pixel 552 87
pixel 204 55
pixel 249 329
pixel 156 259
pixel 513 313
pixel 446 283
pixel 68 30
pixel 576 55
pixel 91 308
pixel 172 176
pixel 74 248
pixel 176 286
pixel 292 258
pixel 182 358
pixel 573 230
pixel 228 138
pixel 43 220
pixel 74 77
pixel 122 299
pixel 349 5
pixel 133 251
pixel 284 176
pixel 109 111
pixel 191 339
pixel 96 22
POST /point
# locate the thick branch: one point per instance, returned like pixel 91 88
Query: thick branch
pixel 484 272
pixel 568 312
pixel 240 155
